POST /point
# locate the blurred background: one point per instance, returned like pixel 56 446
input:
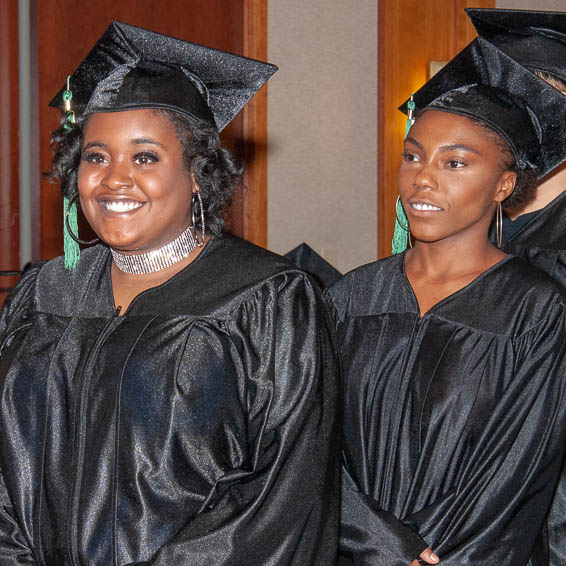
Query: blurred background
pixel 322 150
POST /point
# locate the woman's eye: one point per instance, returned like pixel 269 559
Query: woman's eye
pixel 145 158
pixel 456 164
pixel 409 156
pixel 94 157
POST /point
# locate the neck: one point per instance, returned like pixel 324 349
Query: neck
pixel 448 259
pixel 552 186
pixel 158 259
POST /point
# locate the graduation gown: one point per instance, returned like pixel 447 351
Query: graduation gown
pixel 542 242
pixel 454 422
pixel 197 429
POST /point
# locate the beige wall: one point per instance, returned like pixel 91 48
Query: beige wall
pixel 551 5
pixel 323 129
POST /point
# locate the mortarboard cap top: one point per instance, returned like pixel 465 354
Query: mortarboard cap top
pixel 484 83
pixel 131 68
pixel 535 39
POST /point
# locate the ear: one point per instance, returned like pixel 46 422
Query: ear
pixel 196 187
pixel 505 185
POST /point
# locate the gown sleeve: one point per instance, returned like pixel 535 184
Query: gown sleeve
pixel 556 523
pixel 282 508
pixel 15 547
pixel 370 535
pixel 501 501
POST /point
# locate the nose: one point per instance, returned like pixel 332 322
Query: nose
pixel 425 177
pixel 118 175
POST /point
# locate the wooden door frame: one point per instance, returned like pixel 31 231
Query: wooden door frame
pixel 254 213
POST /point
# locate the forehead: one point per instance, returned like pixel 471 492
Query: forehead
pixel 436 125
pixel 130 125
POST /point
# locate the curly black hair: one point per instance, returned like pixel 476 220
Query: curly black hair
pixel 526 183
pixel 217 172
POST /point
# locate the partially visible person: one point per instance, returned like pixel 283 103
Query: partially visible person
pixel 169 396
pixel 536 230
pixel 454 353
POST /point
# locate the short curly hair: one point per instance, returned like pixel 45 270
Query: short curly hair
pixel 526 183
pixel 217 172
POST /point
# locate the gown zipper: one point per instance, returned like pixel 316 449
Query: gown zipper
pixel 80 426
pixel 397 408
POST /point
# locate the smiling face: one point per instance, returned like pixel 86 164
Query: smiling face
pixel 134 188
pixel 451 178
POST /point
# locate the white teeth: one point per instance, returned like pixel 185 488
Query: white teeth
pixel 121 205
pixel 423 206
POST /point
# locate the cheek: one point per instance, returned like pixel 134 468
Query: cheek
pixel 405 178
pixel 86 182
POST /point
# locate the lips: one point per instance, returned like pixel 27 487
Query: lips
pixel 423 208
pixel 120 206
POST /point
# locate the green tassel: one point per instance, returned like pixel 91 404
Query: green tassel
pixel 70 247
pixel 401 234
pixel 410 120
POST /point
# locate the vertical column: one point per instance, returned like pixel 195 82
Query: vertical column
pixel 28 122
pixel 9 219
pixel 254 213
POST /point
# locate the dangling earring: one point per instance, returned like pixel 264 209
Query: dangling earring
pixel 196 200
pixel 499 225
pixel 402 232
pixel 71 242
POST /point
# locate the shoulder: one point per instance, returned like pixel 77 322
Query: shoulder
pixel 69 292
pixel 361 291
pixel 230 272
pixel 248 261
pixel 530 288
pixel 21 295
pixel 47 286
pixel 510 299
pixel 521 280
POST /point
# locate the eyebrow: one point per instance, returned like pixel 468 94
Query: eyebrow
pixel 135 141
pixel 93 144
pixel 143 141
pixel 446 147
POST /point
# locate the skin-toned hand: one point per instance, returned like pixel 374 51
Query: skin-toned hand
pixel 428 556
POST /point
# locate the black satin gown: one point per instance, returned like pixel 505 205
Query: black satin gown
pixel 542 242
pixel 454 422
pixel 200 428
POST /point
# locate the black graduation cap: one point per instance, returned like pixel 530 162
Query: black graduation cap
pixel 535 39
pixel 315 265
pixel 131 68
pixel 484 83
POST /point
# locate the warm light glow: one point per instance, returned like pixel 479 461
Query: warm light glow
pixel 434 67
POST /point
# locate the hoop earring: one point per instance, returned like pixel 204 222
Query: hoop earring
pixel 499 225
pixel 400 220
pixel 68 225
pixel 196 197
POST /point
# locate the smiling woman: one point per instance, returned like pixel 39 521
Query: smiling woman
pixel 134 188
pixel 170 397
pixel 454 354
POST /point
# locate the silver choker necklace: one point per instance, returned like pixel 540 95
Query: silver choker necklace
pixel 161 258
